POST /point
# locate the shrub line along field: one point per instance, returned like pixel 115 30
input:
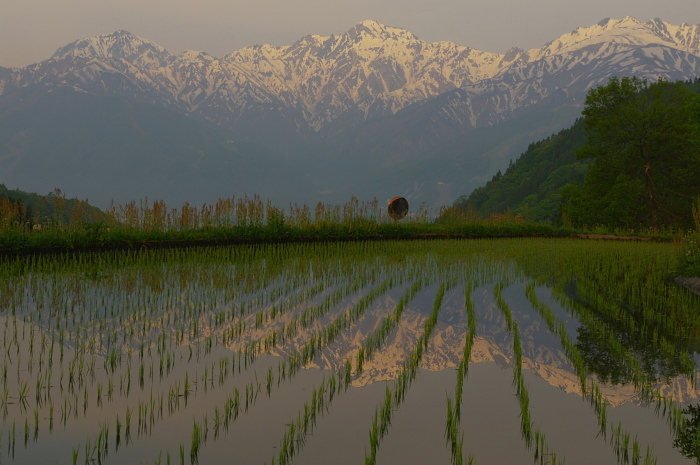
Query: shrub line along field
pixel 250 220
pixel 125 241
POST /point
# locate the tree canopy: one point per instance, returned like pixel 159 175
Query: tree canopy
pixel 686 440
pixel 643 142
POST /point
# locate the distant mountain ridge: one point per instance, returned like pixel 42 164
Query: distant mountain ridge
pixel 355 106
pixel 372 69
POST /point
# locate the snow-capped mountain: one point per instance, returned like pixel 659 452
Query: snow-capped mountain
pixel 372 70
pixel 376 96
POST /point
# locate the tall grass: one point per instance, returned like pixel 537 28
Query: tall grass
pixel 243 220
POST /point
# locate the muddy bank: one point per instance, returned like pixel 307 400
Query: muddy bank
pixel 692 283
pixel 613 237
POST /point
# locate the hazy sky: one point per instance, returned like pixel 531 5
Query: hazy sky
pixel 31 30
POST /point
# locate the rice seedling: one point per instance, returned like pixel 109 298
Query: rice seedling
pixel 196 440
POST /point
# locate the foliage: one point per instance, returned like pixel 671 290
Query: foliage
pixel 687 440
pixel 643 141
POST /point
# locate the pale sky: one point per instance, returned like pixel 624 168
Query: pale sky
pixel 31 30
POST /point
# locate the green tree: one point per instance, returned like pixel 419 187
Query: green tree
pixel 688 440
pixel 643 146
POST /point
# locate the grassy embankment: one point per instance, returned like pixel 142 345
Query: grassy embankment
pixel 251 220
pixel 247 220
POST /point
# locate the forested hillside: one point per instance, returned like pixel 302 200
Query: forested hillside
pixel 532 185
pixel 633 160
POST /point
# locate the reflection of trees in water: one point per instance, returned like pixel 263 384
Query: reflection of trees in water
pixel 599 354
pixel 601 340
pixel 687 440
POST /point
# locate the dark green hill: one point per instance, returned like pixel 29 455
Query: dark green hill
pixel 531 186
pixel 29 208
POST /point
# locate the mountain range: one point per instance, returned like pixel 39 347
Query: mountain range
pixel 373 112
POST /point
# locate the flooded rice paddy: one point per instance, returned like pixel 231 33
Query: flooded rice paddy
pixel 543 351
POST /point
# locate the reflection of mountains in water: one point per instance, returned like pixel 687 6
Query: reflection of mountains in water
pixel 542 352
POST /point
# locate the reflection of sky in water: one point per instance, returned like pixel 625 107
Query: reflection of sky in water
pixel 490 410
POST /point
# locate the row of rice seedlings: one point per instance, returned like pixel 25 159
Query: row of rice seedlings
pixel 103 302
pixel 321 399
pixel 619 439
pixel 141 371
pixel 43 286
pixel 623 312
pixel 263 313
pixel 150 413
pixel 327 334
pixel 113 355
pixel 85 362
pixel 78 366
pixel 518 379
pixel 532 438
pixel 307 282
pixel 295 436
pixel 311 313
pixel 454 405
pixel 320 337
pixel 234 334
pixel 394 397
pixel 641 380
pixel 297 432
pixel 336 383
pixel 627 287
pixel 589 388
pixel 11 439
pixel 647 393
pixel 631 284
pixel 71 377
pixel 629 452
pixel 375 340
